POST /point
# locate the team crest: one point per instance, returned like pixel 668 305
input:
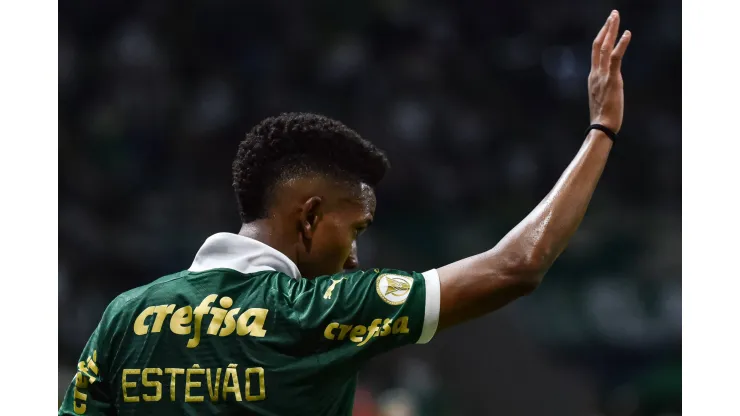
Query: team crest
pixel 393 288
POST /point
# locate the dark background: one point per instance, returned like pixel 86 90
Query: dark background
pixel 480 106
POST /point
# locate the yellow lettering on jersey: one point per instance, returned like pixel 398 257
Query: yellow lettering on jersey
pixel 80 408
pixel 344 329
pixel 261 377
pixel 357 333
pixel 386 327
pixel 92 366
pixel 255 328
pixel 229 323
pixel 196 370
pixel 361 335
pixel 329 328
pixel 83 379
pixel 162 311
pixel 173 383
pixel 154 384
pixel 140 328
pixel 213 387
pixel 232 376
pixel 198 313
pixel 180 321
pixel 151 379
pixel 401 326
pixel 189 321
pixel 219 315
pixel 125 385
pixel 372 331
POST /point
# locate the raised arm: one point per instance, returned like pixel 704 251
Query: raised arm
pixel 483 283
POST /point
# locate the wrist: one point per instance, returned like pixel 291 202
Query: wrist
pixel 601 130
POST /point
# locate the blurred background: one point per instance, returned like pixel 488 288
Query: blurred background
pixel 480 106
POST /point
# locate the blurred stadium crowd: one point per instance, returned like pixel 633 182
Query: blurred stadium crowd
pixel 480 106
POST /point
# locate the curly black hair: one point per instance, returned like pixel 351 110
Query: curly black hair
pixel 295 144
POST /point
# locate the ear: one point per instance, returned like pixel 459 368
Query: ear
pixel 311 215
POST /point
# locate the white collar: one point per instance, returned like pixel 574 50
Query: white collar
pixel 243 254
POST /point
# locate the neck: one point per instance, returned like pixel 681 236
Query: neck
pixel 269 233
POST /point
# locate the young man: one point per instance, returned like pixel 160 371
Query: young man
pixel 268 322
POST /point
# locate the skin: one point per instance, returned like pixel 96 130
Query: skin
pixel 315 221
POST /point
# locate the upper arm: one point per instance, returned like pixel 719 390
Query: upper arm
pixel 368 312
pixel 480 284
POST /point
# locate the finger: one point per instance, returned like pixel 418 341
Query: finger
pixel 596 48
pixel 618 52
pixel 611 37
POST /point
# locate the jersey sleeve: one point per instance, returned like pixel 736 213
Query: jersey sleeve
pixel 367 312
pixel 89 391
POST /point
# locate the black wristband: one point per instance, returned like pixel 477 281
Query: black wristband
pixel 612 135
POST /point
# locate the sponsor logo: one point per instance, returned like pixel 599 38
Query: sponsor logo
pixel 189 321
pixel 361 334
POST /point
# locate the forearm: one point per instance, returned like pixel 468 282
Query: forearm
pixel 515 266
pixel 536 242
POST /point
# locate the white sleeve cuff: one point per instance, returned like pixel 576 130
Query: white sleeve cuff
pixel 431 307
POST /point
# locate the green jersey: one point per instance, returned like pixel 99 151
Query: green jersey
pixel 241 332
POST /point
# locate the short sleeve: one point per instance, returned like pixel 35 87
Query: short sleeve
pixel 370 311
pixel 89 390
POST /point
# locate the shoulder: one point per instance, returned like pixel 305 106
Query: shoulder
pixel 123 306
pixel 133 296
pixel 293 290
pixel 353 287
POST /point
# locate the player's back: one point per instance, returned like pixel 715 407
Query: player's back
pixel 216 341
pixel 241 332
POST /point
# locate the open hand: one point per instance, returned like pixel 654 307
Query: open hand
pixel 605 84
